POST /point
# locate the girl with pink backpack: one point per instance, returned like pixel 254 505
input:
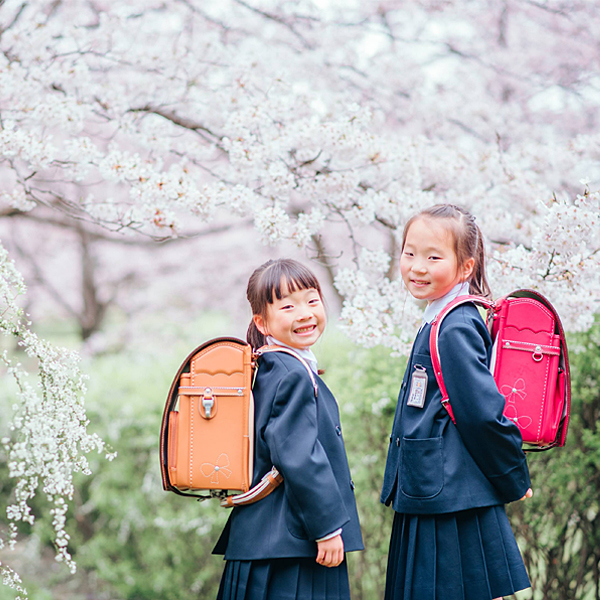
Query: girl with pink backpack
pixel 448 483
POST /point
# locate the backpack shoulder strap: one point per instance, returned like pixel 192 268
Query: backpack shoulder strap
pixel 433 341
pixel 273 478
pixel 274 348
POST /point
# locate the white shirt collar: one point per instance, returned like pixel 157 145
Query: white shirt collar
pixel 305 353
pixel 434 309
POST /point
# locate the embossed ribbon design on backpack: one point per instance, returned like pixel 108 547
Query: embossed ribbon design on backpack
pixel 510 391
pixel 214 470
pixel 511 394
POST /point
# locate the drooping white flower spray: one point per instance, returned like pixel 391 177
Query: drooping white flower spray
pixel 48 438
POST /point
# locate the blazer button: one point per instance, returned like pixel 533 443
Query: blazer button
pixel 352 486
pixel 338 430
pixel 398 442
pixel 391 438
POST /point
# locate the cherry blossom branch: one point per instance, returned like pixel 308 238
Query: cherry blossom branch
pixel 121 240
pixel 326 260
pixel 14 19
pixel 276 19
pixel 546 8
pixel 206 17
pixel 178 120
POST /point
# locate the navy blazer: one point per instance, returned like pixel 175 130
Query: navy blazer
pixel 301 435
pixel 434 466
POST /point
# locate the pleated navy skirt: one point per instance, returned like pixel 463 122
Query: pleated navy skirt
pixel 467 555
pixel 283 579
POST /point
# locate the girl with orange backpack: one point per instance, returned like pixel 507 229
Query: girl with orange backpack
pixel 292 543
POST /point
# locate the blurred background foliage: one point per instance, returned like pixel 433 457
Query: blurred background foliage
pixel 132 541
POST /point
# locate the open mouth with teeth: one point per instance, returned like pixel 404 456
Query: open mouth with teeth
pixel 305 329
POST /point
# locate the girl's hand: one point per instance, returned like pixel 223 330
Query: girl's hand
pixel 528 494
pixel 330 552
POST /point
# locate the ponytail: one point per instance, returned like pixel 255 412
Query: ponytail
pixel 478 283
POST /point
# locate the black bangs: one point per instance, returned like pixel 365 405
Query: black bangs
pixel 294 275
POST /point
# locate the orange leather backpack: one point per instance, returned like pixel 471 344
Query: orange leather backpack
pixel 207 430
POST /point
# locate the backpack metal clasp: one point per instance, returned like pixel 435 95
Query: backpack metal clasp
pixel 208 401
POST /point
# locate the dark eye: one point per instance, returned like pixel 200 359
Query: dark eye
pixel 406 253
pixel 314 301
pixel 287 306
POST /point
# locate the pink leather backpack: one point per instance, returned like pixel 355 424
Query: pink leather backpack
pixel 530 364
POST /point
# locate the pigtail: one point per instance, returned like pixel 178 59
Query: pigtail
pixel 254 337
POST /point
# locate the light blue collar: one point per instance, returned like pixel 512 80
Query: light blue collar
pixel 434 309
pixel 305 353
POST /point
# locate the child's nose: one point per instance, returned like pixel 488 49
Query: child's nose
pixel 418 266
pixel 304 313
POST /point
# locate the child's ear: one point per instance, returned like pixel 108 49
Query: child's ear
pixel 467 268
pixel 261 324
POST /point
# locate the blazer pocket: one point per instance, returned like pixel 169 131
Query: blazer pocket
pixel 422 471
pixel 423 359
pixel 293 523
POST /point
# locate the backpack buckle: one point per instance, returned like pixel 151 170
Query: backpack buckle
pixel 208 401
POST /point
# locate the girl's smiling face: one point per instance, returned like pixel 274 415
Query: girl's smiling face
pixel 428 263
pixel 297 319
